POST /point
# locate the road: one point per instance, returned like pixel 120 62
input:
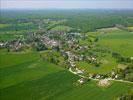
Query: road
pixel 99 79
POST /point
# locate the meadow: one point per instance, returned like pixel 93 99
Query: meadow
pixel 112 40
pixel 118 41
pixel 7 37
pixel 108 64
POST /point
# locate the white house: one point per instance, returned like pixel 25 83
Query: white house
pixel 81 81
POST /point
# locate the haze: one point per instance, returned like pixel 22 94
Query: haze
pixel 66 4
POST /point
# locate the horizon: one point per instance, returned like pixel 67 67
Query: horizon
pixel 65 4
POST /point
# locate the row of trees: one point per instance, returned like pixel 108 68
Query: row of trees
pixel 120 58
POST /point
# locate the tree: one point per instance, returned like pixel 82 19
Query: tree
pixel 40 47
pixel 54 60
pixel 129 77
pixel 56 48
pixel 127 96
pixel 115 55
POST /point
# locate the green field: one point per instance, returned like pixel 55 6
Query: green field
pixel 25 77
pixel 4 25
pixel 131 27
pixel 91 91
pixel 7 37
pixel 114 40
pixel 17 27
pixel 61 28
pixel 118 41
pixel 108 64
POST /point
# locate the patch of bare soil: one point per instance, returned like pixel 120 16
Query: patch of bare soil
pixel 104 83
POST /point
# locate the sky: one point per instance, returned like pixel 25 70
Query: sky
pixel 66 4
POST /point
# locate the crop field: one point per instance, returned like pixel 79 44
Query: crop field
pixel 118 41
pixel 27 77
pixel 91 90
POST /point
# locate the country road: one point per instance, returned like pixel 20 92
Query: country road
pixel 99 79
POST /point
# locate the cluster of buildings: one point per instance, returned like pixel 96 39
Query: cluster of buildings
pixel 49 42
pixel 14 45
pixel 71 59
pixel 3 44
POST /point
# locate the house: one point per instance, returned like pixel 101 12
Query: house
pixel 89 58
pixel 72 64
pixel 116 76
pixel 54 43
pixel 49 42
pixel 90 75
pixel 113 73
pixel 63 53
pixel 79 71
pixel 98 76
pixel 81 81
pixel 2 44
pixel 80 58
pixel 93 59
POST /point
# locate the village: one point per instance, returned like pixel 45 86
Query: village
pixel 67 44
pixel 61 54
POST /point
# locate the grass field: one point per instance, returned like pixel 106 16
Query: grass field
pixel 91 91
pixel 118 41
pixel 26 77
pixel 7 37
pixel 131 27
pixel 115 40
pixel 4 25
pixel 108 64
pixel 17 27
pixel 61 28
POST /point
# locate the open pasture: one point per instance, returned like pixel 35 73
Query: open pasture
pixel 118 41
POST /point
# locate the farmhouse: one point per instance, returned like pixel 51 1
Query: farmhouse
pixel 2 44
pixel 98 76
pixel 93 59
pixel 79 71
pixel 116 76
pixel 81 81
pixel 72 64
